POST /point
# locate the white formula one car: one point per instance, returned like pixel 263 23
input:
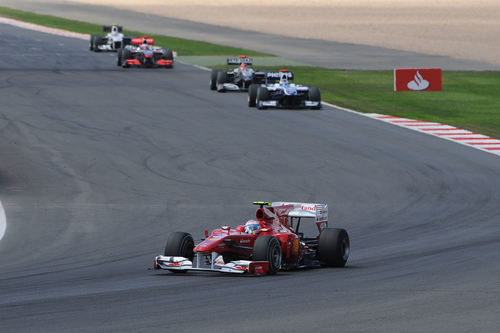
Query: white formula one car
pixel 113 41
pixel 278 92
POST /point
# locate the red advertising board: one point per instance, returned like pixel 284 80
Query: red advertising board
pixel 417 79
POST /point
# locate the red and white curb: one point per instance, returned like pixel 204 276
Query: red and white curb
pixel 452 133
pixel 41 28
pixel 446 132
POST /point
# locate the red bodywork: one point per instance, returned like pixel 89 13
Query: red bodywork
pixel 274 222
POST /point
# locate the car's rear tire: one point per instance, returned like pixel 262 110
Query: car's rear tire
pixel 127 40
pixel 262 95
pixel 119 57
pixel 125 55
pixel 221 79
pixel 213 79
pixel 315 96
pixel 333 247
pixel 252 95
pixel 268 248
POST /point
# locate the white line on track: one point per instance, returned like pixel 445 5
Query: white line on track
pixel 3 221
pixel 438 130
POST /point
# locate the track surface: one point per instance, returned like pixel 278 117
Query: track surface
pixel 307 51
pixel 98 164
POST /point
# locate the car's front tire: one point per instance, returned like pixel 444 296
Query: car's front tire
pixel 213 79
pixel 252 95
pixel 262 95
pixel 169 55
pixel 179 244
pixel 92 42
pixel 97 41
pixel 315 96
pixel 268 248
pixel 221 79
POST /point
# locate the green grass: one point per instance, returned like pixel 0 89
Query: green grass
pixel 184 47
pixel 469 100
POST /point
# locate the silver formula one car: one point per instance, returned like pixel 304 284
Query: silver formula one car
pixel 278 92
pixel 236 79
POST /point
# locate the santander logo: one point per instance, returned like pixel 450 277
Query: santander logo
pixel 419 83
pixel 412 79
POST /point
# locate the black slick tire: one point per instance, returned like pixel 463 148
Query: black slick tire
pixel 252 95
pixel 97 41
pixel 268 248
pixel 125 55
pixel 169 55
pixel 315 96
pixel 92 42
pixel 119 57
pixel 221 79
pixel 262 95
pixel 213 79
pixel 179 244
pixel 333 247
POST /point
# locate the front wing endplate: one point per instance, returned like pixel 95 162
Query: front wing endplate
pixel 237 267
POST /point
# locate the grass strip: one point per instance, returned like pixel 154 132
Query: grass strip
pixel 184 47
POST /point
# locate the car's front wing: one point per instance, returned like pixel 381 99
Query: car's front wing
pixel 158 63
pixel 230 87
pixel 276 104
pixel 184 264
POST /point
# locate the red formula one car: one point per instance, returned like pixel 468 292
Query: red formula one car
pixel 142 53
pixel 262 246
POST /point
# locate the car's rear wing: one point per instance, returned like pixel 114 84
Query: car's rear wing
pixel 109 28
pixel 239 60
pixel 141 40
pixel 319 212
pixel 276 76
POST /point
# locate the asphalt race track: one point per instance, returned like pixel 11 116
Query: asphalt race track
pixel 98 164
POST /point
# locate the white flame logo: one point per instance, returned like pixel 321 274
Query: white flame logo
pixel 419 83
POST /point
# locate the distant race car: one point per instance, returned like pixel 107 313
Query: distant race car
pixel 142 53
pixel 271 242
pixel 277 92
pixel 238 78
pixel 113 41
